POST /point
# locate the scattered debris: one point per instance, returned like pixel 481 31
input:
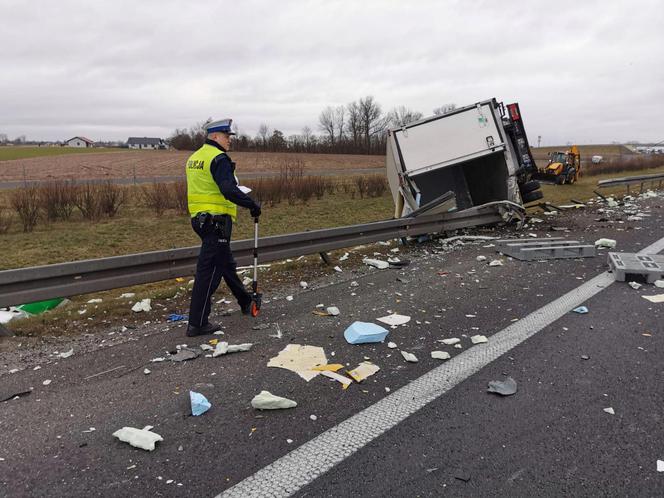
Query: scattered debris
pixel 127 295
pixel 581 310
pixel 657 298
pixel 363 370
pixel 330 367
pixel 66 354
pixel 313 417
pixel 223 348
pixel 47 382
pixel 607 243
pixel 376 263
pixel 304 285
pixel 505 387
pixel 394 319
pixel 409 357
pixel 158 359
pixel 345 381
pixel 634 285
pixel 338 269
pixel 300 359
pixel 144 438
pixel 496 262
pixel 95 301
pixel 397 263
pixel 659 284
pixel 332 311
pixel 143 305
pixel 478 339
pixel 481 258
pixel 268 401
pixel 660 465
pixel 199 403
pixel 392 345
pixel 451 341
pixel 585 357
pixel 174 317
pixel 184 354
pixel 610 411
pixel 440 355
pixel 147 371
pixel 365 332
pixel 289 298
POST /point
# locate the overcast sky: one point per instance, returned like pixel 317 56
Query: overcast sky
pixel 585 72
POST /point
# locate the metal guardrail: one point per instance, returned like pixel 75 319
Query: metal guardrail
pixel 632 180
pixel 37 283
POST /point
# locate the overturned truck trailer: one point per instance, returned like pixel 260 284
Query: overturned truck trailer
pixel 475 157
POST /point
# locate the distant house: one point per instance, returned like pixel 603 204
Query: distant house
pixel 145 143
pixel 79 142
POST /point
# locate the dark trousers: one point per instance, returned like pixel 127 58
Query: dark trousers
pixel 215 261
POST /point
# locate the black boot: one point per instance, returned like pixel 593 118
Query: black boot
pixel 207 329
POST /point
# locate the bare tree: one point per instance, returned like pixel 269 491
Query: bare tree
pixel 401 116
pixel 372 121
pixel 3 138
pixel 353 124
pixel 263 134
pixel 339 115
pixel 306 137
pixel 327 123
pixel 444 109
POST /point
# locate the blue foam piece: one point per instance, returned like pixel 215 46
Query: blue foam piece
pixel 199 403
pixel 582 310
pixel 363 332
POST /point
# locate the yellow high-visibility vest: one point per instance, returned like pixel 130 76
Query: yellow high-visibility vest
pixel 203 195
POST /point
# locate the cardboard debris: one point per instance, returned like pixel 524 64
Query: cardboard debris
pixel 608 243
pixel 300 359
pixel 199 403
pixel 376 263
pixel 345 381
pixel 478 339
pixel 440 355
pixel 331 367
pixel 138 438
pixel 505 387
pixel 143 305
pixel 394 319
pixel 223 348
pixel 268 401
pixel 657 298
pixel 363 370
pixel 364 332
pixel 409 357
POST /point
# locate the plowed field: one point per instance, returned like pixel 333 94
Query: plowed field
pixel 154 164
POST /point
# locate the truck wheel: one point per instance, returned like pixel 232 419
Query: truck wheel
pixel 560 179
pixel 529 186
pixel 532 196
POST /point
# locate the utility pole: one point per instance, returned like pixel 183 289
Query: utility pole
pixel 539 140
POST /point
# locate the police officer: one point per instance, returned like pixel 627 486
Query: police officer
pixel 213 196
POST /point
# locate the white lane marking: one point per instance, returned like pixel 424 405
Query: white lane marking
pixel 303 465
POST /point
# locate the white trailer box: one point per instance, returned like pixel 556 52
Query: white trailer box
pixel 470 152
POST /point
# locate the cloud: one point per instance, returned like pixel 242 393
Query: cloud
pixel 582 72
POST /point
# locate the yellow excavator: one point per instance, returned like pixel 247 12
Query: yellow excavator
pixel 563 167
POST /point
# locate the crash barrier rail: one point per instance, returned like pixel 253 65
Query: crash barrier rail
pixel 633 180
pixel 25 285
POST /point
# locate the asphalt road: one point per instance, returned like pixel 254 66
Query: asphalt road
pixel 551 438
